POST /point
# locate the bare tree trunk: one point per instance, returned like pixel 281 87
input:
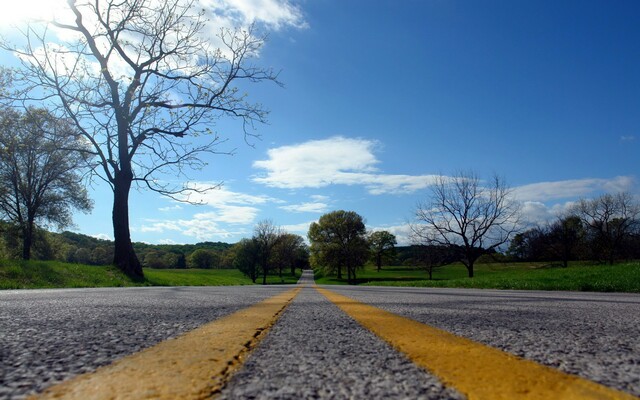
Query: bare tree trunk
pixel 470 268
pixel 27 241
pixel 124 256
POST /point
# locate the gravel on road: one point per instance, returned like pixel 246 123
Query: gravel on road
pixel 592 335
pixel 47 336
pixel 315 351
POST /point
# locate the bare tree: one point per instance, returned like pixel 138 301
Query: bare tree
pixel 610 218
pixel 462 212
pixel 137 78
pixel 39 178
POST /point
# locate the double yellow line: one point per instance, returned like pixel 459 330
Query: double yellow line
pixel 197 364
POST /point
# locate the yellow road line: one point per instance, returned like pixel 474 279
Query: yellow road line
pixel 474 369
pixel 192 366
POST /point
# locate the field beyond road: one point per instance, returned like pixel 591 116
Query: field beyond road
pixel 53 274
pixel 622 277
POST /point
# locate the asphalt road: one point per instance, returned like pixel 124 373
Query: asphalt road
pixel 315 350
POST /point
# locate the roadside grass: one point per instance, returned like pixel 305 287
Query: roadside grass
pixel 622 277
pixel 16 274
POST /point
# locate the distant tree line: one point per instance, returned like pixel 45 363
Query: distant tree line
pixel 603 229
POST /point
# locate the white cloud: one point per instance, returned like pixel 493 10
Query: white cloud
pixel 401 232
pixel 306 207
pixel 170 208
pixel 301 228
pixel 214 195
pixel 544 191
pixel 334 161
pixel 228 208
pixel 275 14
pixel 203 226
pixel 102 236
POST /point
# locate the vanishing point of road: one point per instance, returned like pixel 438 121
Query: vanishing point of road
pixel 317 342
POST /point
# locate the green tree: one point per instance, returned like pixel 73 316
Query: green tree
pixel 138 79
pixel 337 239
pixel 40 181
pixel 382 244
pixel 287 252
pixel 203 259
pixel 247 258
pixel 267 236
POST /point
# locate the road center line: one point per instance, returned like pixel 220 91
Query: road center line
pixel 192 366
pixel 474 369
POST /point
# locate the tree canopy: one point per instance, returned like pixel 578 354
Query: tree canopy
pixel 40 177
pixel 339 239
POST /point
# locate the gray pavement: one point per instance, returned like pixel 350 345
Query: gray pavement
pixel 315 351
pixel 47 336
pixel 593 335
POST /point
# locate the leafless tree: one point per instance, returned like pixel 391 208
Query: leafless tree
pixel 138 78
pixel 462 212
pixel 610 219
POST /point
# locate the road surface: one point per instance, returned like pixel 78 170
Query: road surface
pixel 314 349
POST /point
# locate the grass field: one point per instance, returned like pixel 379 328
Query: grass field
pixel 52 274
pixel 623 277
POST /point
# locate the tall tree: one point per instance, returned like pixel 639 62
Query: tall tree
pixel 246 258
pixel 39 176
pixel 564 236
pixel 610 218
pixel 462 212
pixel 337 239
pixel 382 244
pixel 138 78
pixel 267 236
pixel 288 252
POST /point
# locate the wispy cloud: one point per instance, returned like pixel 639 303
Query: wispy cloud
pixel 567 189
pixel 275 14
pixel 334 161
pixel 306 208
pixel 629 138
pixel 230 213
pixel 170 208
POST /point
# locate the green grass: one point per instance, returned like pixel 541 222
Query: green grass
pixel 623 277
pixel 52 274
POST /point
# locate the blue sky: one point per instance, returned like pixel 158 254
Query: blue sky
pixel 380 96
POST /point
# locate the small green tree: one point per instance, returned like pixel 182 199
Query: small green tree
pixel 382 245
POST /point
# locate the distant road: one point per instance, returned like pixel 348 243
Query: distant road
pixel 315 350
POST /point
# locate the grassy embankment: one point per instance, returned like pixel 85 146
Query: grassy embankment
pixel 623 277
pixel 52 274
